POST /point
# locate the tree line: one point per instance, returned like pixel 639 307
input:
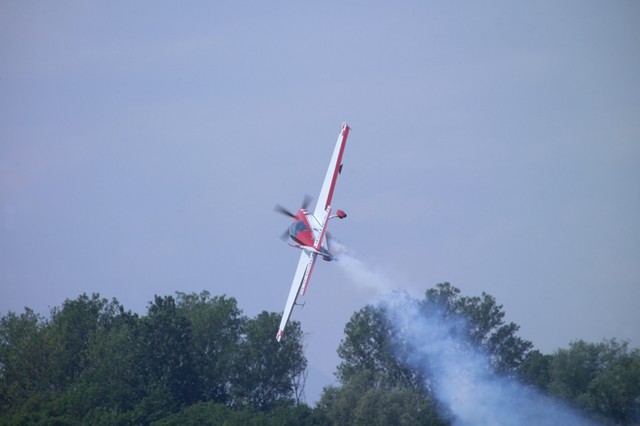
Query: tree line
pixel 378 384
pixel 196 359
pixel 92 362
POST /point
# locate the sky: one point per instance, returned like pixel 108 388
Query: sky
pixel 494 145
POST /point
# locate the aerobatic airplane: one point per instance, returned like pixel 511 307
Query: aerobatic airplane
pixel 308 230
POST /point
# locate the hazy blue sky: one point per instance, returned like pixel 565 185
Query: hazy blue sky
pixel 495 145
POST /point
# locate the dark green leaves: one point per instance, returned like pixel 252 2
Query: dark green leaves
pixel 92 362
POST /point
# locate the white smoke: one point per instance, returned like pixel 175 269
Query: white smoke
pixel 363 276
pixel 462 380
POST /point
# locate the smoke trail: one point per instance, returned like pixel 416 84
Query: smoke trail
pixel 461 379
pixel 363 276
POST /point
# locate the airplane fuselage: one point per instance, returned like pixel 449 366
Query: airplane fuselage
pixel 309 234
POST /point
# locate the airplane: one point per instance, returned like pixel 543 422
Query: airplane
pixel 308 230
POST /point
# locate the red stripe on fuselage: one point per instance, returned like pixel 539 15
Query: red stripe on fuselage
pixel 336 171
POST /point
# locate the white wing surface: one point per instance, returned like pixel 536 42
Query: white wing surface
pixel 300 279
pixel 326 193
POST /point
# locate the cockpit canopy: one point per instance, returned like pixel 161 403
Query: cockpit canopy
pixel 296 228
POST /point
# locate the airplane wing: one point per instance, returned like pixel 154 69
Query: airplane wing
pixel 335 166
pixel 300 279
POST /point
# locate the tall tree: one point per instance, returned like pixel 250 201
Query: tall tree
pixel 534 369
pixel 72 331
pixel 359 402
pixel 113 380
pixel 369 351
pixel 164 351
pixel 266 371
pixel 375 359
pixel 216 327
pixel 24 357
pixel 601 378
pixel 370 347
pixel 485 325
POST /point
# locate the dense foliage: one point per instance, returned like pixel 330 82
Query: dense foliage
pixel 195 359
pixel 375 365
pixel 378 383
pixel 93 362
pixel 601 379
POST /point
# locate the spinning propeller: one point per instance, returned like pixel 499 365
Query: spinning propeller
pixel 283 210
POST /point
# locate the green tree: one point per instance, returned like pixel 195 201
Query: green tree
pixel 601 378
pixel 369 351
pixel 534 369
pixel 216 327
pixel 295 415
pixel 113 380
pixel 377 364
pixel 370 347
pixel 94 363
pixel 72 330
pixel 485 323
pixel 266 371
pixel 24 358
pixel 210 413
pixel 164 353
pixel 54 357
pixel 200 414
pixel 359 403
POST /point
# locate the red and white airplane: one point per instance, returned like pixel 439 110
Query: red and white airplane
pixel 308 230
